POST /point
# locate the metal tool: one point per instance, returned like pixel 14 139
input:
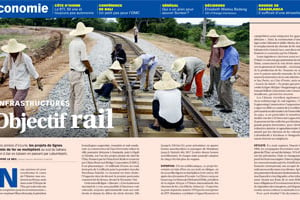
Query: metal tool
pixel 94 100
pixel 147 79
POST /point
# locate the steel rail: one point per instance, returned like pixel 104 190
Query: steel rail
pixel 131 111
pixel 134 132
pixel 197 116
pixel 208 130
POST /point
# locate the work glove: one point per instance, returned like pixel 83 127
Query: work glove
pixel 150 63
pixel 119 58
pixel 181 87
pixel 120 89
pixel 208 65
pixel 93 77
pixel 87 71
pixel 39 83
pixel 123 87
pixel 233 79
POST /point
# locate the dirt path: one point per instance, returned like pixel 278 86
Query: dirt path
pixel 180 48
pixel 51 69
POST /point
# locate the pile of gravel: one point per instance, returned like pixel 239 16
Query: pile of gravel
pixel 238 120
pixel 100 60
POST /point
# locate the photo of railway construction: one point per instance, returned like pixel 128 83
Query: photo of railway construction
pixel 122 77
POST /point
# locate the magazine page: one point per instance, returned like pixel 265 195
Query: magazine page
pixel 149 100
pixel 275 113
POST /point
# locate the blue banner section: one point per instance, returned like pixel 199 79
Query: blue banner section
pixel 155 9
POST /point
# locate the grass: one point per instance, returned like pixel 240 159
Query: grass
pixel 245 59
pixel 200 46
pixel 66 42
pixel 37 44
pixel 32 42
pixel 4 26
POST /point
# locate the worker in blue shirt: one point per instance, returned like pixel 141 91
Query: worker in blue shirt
pixel 145 66
pixel 229 75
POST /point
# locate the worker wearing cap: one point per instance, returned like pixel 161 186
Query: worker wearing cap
pixel 119 55
pixel 229 70
pixel 214 63
pixel 19 67
pixel 79 65
pixel 106 82
pixel 192 67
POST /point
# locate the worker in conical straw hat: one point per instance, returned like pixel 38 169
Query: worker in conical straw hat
pixel 166 105
pixel 214 63
pixel 19 67
pixel 79 65
pixel 145 67
pixel 106 82
pixel 193 68
pixel 229 70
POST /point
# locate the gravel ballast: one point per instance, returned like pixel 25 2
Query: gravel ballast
pixel 100 60
pixel 238 120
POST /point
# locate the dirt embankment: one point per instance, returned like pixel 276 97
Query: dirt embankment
pixel 51 62
pixel 55 41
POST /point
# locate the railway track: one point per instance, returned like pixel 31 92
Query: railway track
pixel 132 109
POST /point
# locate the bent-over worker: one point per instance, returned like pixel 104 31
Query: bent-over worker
pixel 145 66
pixel 192 67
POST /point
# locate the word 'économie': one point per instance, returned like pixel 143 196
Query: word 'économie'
pixel 37 8
pixel 57 121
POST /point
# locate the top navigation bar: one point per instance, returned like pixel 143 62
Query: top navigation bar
pixel 155 9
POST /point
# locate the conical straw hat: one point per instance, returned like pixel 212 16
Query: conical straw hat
pixel 81 30
pixel 212 33
pixel 178 64
pixel 223 41
pixel 13 46
pixel 136 63
pixel 116 66
pixel 166 82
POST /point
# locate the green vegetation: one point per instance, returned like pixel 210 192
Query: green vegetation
pixel 32 43
pixel 97 23
pixel 191 33
pixel 4 26
pixel 168 27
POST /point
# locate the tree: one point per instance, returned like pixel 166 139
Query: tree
pixel 125 24
pixel 203 36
